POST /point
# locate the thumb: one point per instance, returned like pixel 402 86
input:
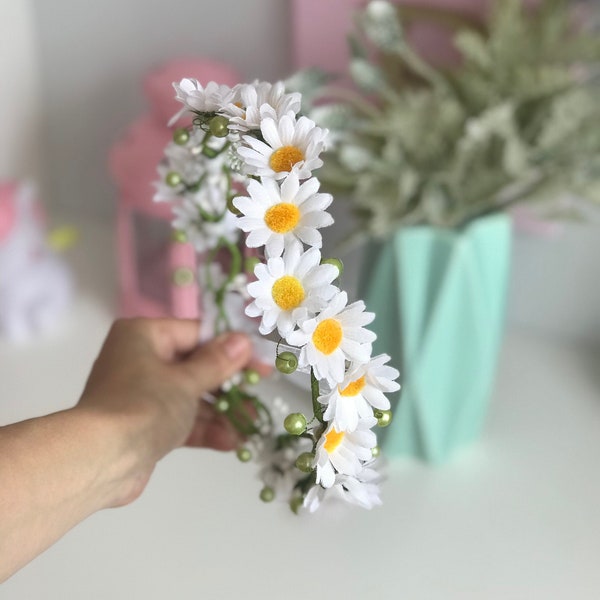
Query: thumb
pixel 217 360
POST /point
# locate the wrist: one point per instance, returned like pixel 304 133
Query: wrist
pixel 121 468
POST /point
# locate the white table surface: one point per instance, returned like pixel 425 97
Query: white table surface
pixel 515 516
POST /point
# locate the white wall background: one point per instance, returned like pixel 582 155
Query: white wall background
pixel 92 56
pixel 19 91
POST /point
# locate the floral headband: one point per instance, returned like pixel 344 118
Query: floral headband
pixel 245 165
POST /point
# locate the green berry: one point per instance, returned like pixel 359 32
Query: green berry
pixel 244 455
pixel 251 376
pixel 267 494
pixel 181 136
pixel 219 126
pixel 384 417
pixel 222 404
pixel 286 362
pixel 296 503
pixel 173 179
pixel 305 462
pixel 295 423
pixel 180 236
pixel 376 451
pixel 336 262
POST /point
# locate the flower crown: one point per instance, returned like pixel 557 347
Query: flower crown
pixel 245 165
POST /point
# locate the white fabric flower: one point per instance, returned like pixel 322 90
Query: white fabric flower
pixel 289 145
pixel 362 490
pixel 363 388
pixel 289 283
pixel 197 98
pixel 335 335
pixel 344 452
pixel 252 102
pixel 203 235
pixel 278 217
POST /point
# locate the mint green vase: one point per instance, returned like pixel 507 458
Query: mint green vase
pixel 439 296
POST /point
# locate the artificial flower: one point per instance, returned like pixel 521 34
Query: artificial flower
pixel 361 490
pixel 363 389
pixel 197 98
pixel 344 452
pixel 281 216
pixel 288 283
pixel 253 102
pixel 334 336
pixel 289 145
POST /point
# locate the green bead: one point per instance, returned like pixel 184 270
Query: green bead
pixel 376 452
pixel 179 236
pixel 251 376
pixel 219 126
pixel 183 276
pixel 173 179
pixel 296 503
pixel 286 362
pixel 222 404
pixel 244 455
pixel 181 136
pixel 384 417
pixel 336 262
pixel 267 494
pixel 295 423
pixel 305 462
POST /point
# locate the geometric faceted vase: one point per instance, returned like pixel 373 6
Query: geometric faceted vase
pixel 439 296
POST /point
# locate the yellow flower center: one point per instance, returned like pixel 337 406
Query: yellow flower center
pixel 287 292
pixel 282 217
pixel 354 388
pixel 327 336
pixel 284 158
pixel 332 440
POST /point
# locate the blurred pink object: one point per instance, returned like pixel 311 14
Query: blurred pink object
pixel 35 285
pixel 157 274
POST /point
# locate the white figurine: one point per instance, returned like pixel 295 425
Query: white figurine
pixel 35 285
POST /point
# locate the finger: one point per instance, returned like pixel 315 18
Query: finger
pixel 172 337
pixel 216 433
pixel 215 362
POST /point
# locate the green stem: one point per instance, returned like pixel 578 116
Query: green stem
pixel 314 389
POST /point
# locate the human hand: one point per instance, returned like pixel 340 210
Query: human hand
pixel 148 382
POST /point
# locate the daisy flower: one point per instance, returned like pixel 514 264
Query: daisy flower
pixel 197 98
pixel 278 217
pixel 363 389
pixel 344 452
pixel 289 145
pixel 335 335
pixel 253 102
pixel 203 235
pixel 288 283
pixel 361 490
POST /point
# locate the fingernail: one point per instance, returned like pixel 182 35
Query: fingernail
pixel 236 344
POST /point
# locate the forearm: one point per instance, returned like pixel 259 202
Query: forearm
pixel 54 472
